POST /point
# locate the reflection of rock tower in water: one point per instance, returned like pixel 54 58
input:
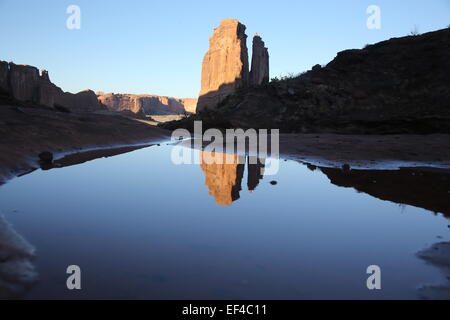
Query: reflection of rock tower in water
pixel 224 179
pixel 255 173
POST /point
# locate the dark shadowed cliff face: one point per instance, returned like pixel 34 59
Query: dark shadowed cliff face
pixel 401 85
pixel 25 84
pixel 259 73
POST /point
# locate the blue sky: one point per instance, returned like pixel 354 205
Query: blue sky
pixel 157 46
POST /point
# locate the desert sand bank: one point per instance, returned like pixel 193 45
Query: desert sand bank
pixel 368 151
pixel 26 132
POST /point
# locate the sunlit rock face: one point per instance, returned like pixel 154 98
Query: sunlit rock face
pixel 225 66
pixel 260 62
pixel 224 174
pixel 397 86
pixel 147 103
pixel 190 104
pixel 120 102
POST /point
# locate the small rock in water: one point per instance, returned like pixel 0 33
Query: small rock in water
pixel 346 167
pixel 273 182
pixel 46 160
pixel 46 157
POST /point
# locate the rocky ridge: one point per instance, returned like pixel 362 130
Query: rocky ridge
pixel 401 85
pixel 25 84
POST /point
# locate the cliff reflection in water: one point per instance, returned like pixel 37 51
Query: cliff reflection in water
pixel 427 188
pixel 224 174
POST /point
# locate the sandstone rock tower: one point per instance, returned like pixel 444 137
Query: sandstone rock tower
pixel 260 62
pixel 225 66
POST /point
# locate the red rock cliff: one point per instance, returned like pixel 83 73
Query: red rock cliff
pixel 225 65
pixel 25 83
pixel 147 103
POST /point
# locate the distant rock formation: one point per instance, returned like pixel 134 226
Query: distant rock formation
pixel 24 83
pixel 147 104
pixel 260 62
pixel 45 76
pixel 225 66
pixel 120 102
pixel 190 104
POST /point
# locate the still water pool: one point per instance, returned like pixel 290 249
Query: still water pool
pixel 141 227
